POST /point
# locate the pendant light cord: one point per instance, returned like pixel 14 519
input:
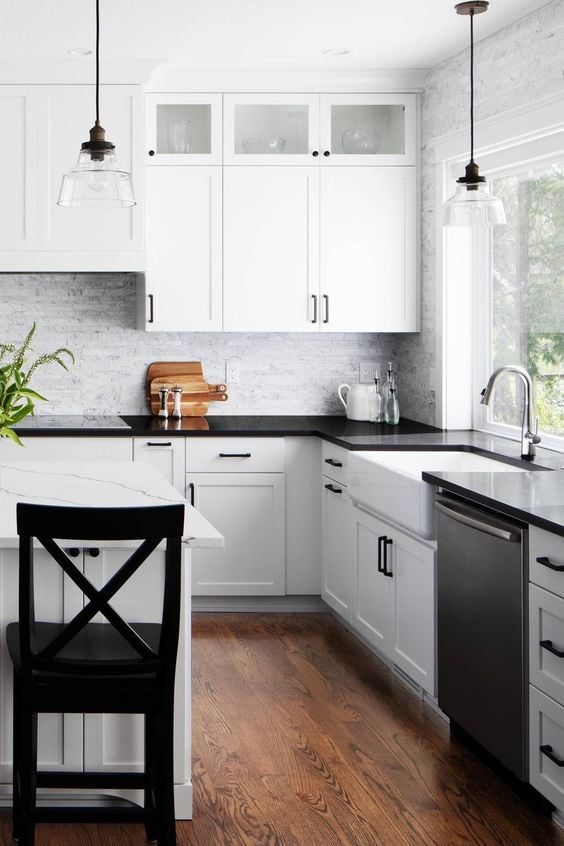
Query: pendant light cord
pixel 97 62
pixel 471 84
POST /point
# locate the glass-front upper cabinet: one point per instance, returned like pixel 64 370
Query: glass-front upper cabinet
pixel 375 129
pixel 183 129
pixel 271 128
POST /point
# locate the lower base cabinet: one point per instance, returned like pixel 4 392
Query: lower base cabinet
pixel 394 595
pixel 336 548
pixel 248 510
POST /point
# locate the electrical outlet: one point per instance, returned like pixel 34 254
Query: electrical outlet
pixel 232 371
pixel 368 372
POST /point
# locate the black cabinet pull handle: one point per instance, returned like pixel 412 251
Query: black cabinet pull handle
pixel 326 298
pixel 547 644
pixel 333 489
pixel 546 562
pixel 381 540
pixel 547 750
pixel 314 298
pixel 191 489
pixel 234 454
pixel 151 152
pixel 387 542
pixel 159 443
pixel 151 309
pixel 74 551
pixel 333 462
pixel 326 153
pixel 315 153
pixel 94 552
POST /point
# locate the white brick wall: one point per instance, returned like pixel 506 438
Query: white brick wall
pixel 519 64
pixel 94 315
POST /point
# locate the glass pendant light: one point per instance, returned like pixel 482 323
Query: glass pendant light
pixel 97 181
pixel 472 204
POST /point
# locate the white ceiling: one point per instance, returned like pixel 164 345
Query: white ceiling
pixel 247 34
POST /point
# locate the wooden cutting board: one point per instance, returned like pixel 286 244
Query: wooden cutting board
pixel 188 375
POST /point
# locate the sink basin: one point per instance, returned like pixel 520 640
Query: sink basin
pixel 390 483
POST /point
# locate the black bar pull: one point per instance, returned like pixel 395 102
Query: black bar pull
pixel 387 542
pixel 234 454
pixel 547 750
pixel 381 540
pixel 326 298
pixel 191 489
pixel 314 298
pixel 159 443
pixel 546 562
pixel 547 644
pixel 333 489
pixel 151 309
pixel 333 462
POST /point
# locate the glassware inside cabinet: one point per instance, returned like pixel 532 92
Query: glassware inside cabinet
pixel 367 129
pixel 271 129
pixel 183 128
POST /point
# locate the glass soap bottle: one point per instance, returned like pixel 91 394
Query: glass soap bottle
pixel 388 382
pixel 375 404
pixel 392 405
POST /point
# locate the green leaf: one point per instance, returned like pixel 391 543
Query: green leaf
pixel 28 392
pixel 5 432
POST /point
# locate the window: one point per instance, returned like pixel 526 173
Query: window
pixel 521 316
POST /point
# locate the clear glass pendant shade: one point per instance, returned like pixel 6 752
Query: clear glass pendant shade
pixel 473 206
pixel 96 183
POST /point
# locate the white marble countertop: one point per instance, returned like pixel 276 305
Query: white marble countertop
pixel 95 484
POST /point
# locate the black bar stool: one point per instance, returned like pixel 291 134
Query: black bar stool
pixel 85 667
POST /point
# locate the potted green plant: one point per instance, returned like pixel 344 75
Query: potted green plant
pixel 17 399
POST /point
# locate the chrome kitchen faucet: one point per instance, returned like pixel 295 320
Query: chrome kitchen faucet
pixel 530 424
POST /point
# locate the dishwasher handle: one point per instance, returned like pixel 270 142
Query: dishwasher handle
pixel 468 517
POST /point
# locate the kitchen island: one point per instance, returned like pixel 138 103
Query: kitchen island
pixel 95 741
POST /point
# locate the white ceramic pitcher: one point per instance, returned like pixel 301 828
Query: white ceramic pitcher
pixel 356 402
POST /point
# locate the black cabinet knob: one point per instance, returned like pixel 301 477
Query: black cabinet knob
pixel 94 552
pixel 151 152
pixel 315 153
pixel 327 153
pixel 74 552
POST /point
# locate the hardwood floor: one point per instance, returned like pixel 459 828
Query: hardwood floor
pixel 302 738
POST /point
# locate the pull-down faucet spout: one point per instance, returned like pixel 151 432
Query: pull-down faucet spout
pixel 530 424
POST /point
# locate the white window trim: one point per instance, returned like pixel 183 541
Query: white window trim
pixel 526 134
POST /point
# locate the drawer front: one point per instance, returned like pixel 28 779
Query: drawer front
pixel 549 548
pixel 546 626
pixel 235 455
pixel 334 462
pixel 68 449
pixel 546 731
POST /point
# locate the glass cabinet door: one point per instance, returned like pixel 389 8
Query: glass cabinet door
pixel 183 129
pixel 368 129
pixel 271 129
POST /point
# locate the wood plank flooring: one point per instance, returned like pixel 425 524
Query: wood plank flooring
pixel 303 738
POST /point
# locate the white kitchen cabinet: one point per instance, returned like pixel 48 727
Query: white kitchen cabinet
pixel 67 449
pixel 168 457
pixel 271 249
pixel 308 250
pixel 248 510
pixel 60 736
pixel 337 559
pixel 107 241
pixel 303 516
pixel 368 249
pixel 183 129
pixel 18 198
pixel 183 286
pixel 394 605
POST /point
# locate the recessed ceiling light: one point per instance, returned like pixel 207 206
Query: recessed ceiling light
pixel 79 51
pixel 336 51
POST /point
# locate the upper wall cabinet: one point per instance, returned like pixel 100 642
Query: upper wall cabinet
pixel 42 236
pixel 183 129
pixel 343 129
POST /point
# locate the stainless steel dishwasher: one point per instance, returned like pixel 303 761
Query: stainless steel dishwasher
pixel 481 629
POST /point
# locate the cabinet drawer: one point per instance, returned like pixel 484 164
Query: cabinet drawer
pixel 67 449
pixel 235 455
pixel 549 548
pixel 546 622
pixel 334 462
pixel 547 732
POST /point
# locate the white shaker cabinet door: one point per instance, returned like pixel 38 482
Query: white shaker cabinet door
pixel 168 457
pixel 372 601
pixel 66 113
pixel 183 236
pixel 337 560
pixel 368 249
pixel 248 510
pixel 18 198
pixel 271 249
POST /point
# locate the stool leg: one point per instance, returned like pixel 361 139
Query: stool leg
pixel 16 756
pixel 151 826
pixel 28 774
pixel 165 778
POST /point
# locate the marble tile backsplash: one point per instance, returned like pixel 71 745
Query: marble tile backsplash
pixel 94 315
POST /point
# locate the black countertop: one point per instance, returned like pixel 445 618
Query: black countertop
pixel 534 497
